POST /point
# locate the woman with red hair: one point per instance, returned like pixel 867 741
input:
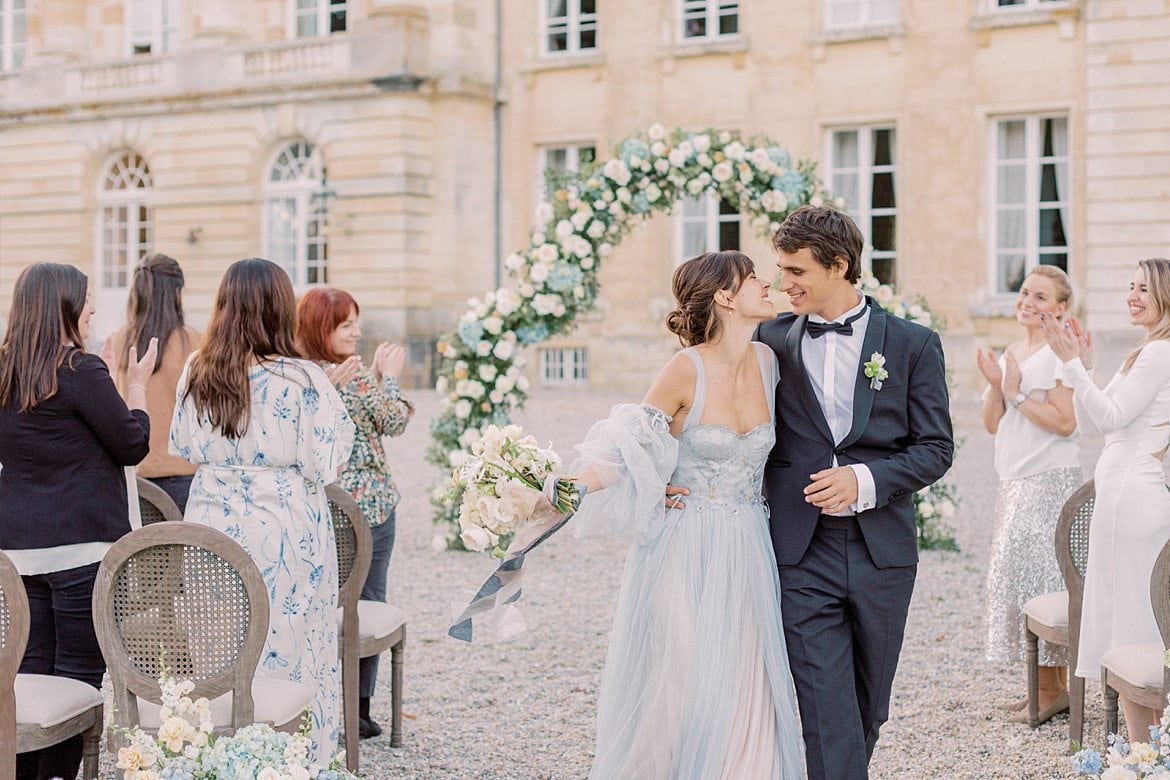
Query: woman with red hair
pixel 328 332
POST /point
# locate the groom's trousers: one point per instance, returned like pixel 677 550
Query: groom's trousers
pixel 843 622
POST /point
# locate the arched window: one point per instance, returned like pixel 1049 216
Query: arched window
pixel 294 214
pixel 126 229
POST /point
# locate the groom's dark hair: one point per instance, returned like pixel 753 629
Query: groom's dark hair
pixel 831 235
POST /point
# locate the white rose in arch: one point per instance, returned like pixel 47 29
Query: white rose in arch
pixel 547 253
pixel 539 271
pixel 662 166
pixel 483 348
pixel 579 219
pixel 506 302
pixel 702 142
pixel 758 157
pixel 687 148
pixel 658 148
pixel 624 195
pixel 538 238
pixel 604 250
pixel 526 290
pixel 586 262
pixel 504 349
pixel 723 172
pixel 676 158
pixel 544 214
pixel 504 384
pixel 514 262
pixel 496 397
pixel 656 132
pixel 493 325
pixel 564 229
pixel 653 193
pixel 616 171
pixel 704 159
pixel 487 372
pixel 596 229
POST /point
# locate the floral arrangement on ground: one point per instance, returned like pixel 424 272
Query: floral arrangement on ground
pixel 586 215
pixel 187 749
pixel 1130 761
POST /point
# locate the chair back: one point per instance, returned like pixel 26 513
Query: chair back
pixel 1072 540
pixel 354 543
pixel 182 597
pixel 14 623
pixel 1160 599
pixel 155 504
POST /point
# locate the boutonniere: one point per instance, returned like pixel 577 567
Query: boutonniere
pixel 875 369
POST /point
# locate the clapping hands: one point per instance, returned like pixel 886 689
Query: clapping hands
pixel 388 361
pixel 340 373
pixel 1069 340
pixel 989 367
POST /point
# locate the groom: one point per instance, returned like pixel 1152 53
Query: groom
pixel 850 452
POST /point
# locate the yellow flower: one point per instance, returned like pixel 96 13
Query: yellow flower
pixel 562 195
pixel 441 346
pixel 131 759
pixel 172 733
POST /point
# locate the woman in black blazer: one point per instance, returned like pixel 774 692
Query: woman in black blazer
pixel 65 438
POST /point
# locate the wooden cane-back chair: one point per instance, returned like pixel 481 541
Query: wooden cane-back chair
pixel 189 599
pixel 1138 671
pixel 38 710
pixel 379 626
pixel 155 504
pixel 1056 617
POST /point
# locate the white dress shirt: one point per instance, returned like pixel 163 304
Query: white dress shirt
pixel 831 363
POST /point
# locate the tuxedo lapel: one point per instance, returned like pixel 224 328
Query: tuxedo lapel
pixel 863 395
pixel 792 350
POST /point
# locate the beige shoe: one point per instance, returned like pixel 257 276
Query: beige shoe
pixel 1058 705
pixel 1015 705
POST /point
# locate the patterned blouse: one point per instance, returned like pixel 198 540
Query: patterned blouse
pixel 377 411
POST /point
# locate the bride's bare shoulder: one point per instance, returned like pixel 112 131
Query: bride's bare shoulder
pixel 674 387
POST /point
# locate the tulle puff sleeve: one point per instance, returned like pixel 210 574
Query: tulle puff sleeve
pixel 633 454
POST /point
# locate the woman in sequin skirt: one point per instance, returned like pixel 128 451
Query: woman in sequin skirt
pixel 1030 413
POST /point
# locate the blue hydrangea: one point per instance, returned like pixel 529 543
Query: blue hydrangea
pixel 791 183
pixel 779 156
pixel 634 146
pixel 470 332
pixel 179 769
pixel 532 334
pixel 640 204
pixel 563 277
pixel 1087 762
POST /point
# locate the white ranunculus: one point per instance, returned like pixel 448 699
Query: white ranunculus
pixel 702 142
pixel 504 349
pixel 506 302
pixel 564 229
pixel 596 229
pixel 539 271
pixel 483 348
pixel 723 172
pixel 547 253
pixel 616 171
pixel 487 372
pixel 676 158
pixel 656 132
pixel 544 214
pixel 586 262
pixel 493 325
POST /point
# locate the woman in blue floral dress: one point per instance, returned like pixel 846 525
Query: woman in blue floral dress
pixel 269 431
pixel 328 332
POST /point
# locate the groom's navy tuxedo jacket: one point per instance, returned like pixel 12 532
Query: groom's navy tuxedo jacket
pixel 901 432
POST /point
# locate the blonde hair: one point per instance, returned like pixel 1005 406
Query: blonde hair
pixel 1157 271
pixel 1059 279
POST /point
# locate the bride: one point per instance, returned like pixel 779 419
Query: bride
pixel 697 683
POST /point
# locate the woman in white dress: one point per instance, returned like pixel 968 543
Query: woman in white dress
pixel 268 432
pixel 1029 410
pixel 697 683
pixel 1131 517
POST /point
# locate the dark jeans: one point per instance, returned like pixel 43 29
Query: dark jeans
pixel 177 487
pixel 843 621
pixel 375 590
pixel 61 641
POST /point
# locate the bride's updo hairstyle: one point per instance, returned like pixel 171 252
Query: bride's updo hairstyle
pixel 695 282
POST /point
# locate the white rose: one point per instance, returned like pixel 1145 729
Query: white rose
pixel 925 319
pixel 702 142
pixel 506 302
pixel 596 229
pixel 616 171
pixel 724 137
pixel 656 132
pixel 635 161
pixel 463 408
pixel 547 253
pixel 579 293
pixel 735 151
pixel 657 148
pixel 758 157
pixel 694 187
pixel 704 179
pixel 723 172
pixel 704 160
pixel 538 238
pixel 544 214
pixel 475 539
pixel 526 290
pixel 487 372
pixel 915 311
pixel 483 348
pixel 504 384
pixel 493 325
pixel 504 349
pixel 676 158
pixel 586 263
pixel 624 195
pixel 579 219
pixel 662 166
pixel 496 397
pixel 514 262
pixel 687 148
pixel 539 272
pixel 564 229
pixel 616 209
pixel 545 304
pixel 653 193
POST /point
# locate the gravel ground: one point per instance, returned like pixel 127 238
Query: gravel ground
pixel 525 708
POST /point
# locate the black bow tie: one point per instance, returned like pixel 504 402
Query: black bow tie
pixel 818 329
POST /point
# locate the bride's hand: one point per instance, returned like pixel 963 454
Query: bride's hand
pixel 673 493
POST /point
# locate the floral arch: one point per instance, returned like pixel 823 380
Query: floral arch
pixel 556 277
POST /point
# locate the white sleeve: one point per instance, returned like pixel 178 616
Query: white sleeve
pixel 1134 392
pixel 633 454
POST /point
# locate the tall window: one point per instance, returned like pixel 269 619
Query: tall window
pixel 1031 212
pixel 564 367
pixel 295 212
pixel 570 25
pixel 707 223
pixel 858 13
pixel 12 21
pixel 319 17
pixel 152 26
pixel 703 19
pixel 126 229
pixel 861 170
pixel 567 158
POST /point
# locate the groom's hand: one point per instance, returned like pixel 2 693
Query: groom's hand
pixel 833 490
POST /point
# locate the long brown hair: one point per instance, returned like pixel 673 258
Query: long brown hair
pixel 252 319
pixel 695 282
pixel 1157 271
pixel 155 309
pixel 47 303
pixel 320 311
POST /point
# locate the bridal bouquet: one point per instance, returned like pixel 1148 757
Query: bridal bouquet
pixel 1130 761
pixel 187 749
pixel 499 484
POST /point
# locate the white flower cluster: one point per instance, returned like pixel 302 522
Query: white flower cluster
pixel 895 303
pixel 500 484
pixel 579 224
